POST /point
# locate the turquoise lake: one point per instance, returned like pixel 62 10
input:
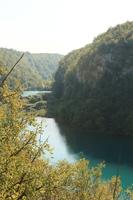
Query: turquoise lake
pixel 71 144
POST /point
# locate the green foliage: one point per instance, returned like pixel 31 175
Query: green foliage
pixel 35 71
pixel 94 84
pixel 26 174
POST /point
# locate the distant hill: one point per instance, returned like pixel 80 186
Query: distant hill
pixel 35 71
pixel 94 85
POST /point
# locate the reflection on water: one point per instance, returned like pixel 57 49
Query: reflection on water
pixel 56 140
pixel 68 143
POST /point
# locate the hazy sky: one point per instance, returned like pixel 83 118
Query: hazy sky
pixel 58 25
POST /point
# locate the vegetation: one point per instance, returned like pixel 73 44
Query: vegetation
pixel 36 104
pixel 35 71
pixel 93 86
pixel 26 174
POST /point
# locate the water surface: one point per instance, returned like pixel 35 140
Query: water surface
pixel 30 93
pixel 69 144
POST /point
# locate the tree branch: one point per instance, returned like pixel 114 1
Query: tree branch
pixel 3 81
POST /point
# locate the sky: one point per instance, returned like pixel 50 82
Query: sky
pixel 58 26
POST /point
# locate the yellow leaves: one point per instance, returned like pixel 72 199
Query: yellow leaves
pixel 2 113
pixel 25 175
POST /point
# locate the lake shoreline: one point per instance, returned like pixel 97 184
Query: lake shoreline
pixel 42 103
pixel 85 130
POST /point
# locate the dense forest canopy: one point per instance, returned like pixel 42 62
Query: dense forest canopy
pixel 94 85
pixel 35 71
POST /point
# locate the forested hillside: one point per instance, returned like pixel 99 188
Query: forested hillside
pixel 27 173
pixel 94 85
pixel 35 71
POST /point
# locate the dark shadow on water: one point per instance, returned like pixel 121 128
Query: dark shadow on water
pixel 110 148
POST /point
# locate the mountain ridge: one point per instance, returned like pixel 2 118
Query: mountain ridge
pixel 35 71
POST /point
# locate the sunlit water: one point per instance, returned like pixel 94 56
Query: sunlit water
pixel 30 93
pixel 69 144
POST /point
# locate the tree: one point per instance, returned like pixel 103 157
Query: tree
pixel 25 175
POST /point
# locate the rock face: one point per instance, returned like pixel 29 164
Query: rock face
pixel 94 85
